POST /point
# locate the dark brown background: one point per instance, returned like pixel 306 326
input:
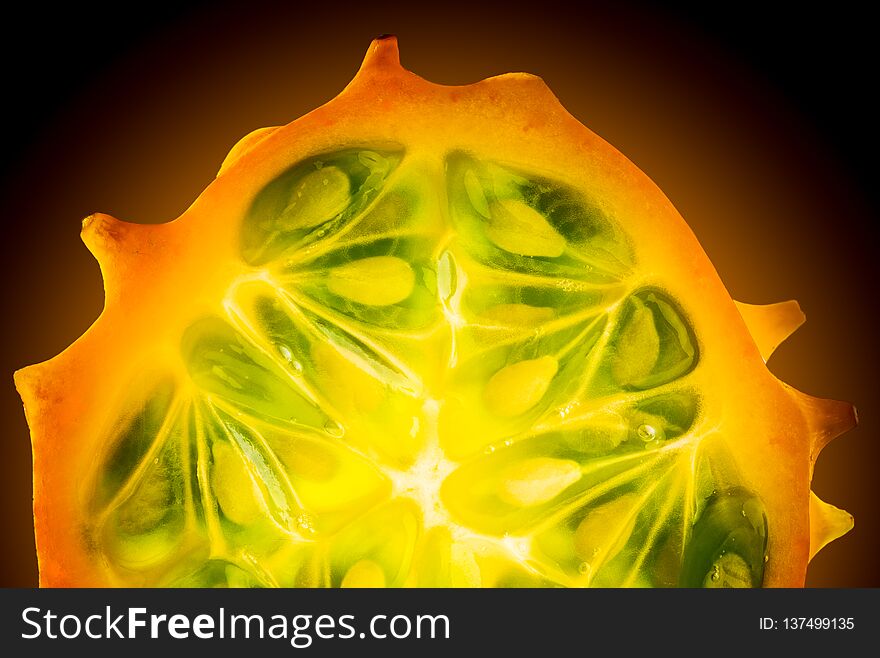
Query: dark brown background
pixel 755 125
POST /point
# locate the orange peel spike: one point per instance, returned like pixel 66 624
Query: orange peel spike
pixel 771 324
pixel 827 523
pixel 424 335
pixel 826 418
pixel 126 251
pixel 383 54
pixel 104 235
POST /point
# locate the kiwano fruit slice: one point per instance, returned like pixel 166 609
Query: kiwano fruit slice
pixel 424 336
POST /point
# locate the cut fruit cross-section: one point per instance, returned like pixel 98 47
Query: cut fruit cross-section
pixel 424 336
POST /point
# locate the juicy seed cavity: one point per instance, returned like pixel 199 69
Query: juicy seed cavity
pixel 421 401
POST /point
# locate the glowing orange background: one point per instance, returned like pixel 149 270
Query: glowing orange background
pixel 753 125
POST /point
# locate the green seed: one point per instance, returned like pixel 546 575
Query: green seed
pixel 730 571
pixel 475 194
pixel 728 543
pixel 604 433
pixel 319 197
pixel 236 492
pixel 374 281
pixel 605 530
pixel 538 480
pixel 516 388
pixel 638 346
pixel 516 227
pixel 654 344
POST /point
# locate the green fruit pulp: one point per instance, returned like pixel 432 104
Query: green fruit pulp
pixel 427 379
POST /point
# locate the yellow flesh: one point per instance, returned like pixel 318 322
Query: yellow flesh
pixel 386 396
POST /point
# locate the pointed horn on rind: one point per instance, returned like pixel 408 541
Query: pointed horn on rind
pixel 827 419
pixel 103 234
pixel 383 53
pixel 119 246
pixel 27 381
pixel 380 73
pixel 770 324
pixel 827 523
